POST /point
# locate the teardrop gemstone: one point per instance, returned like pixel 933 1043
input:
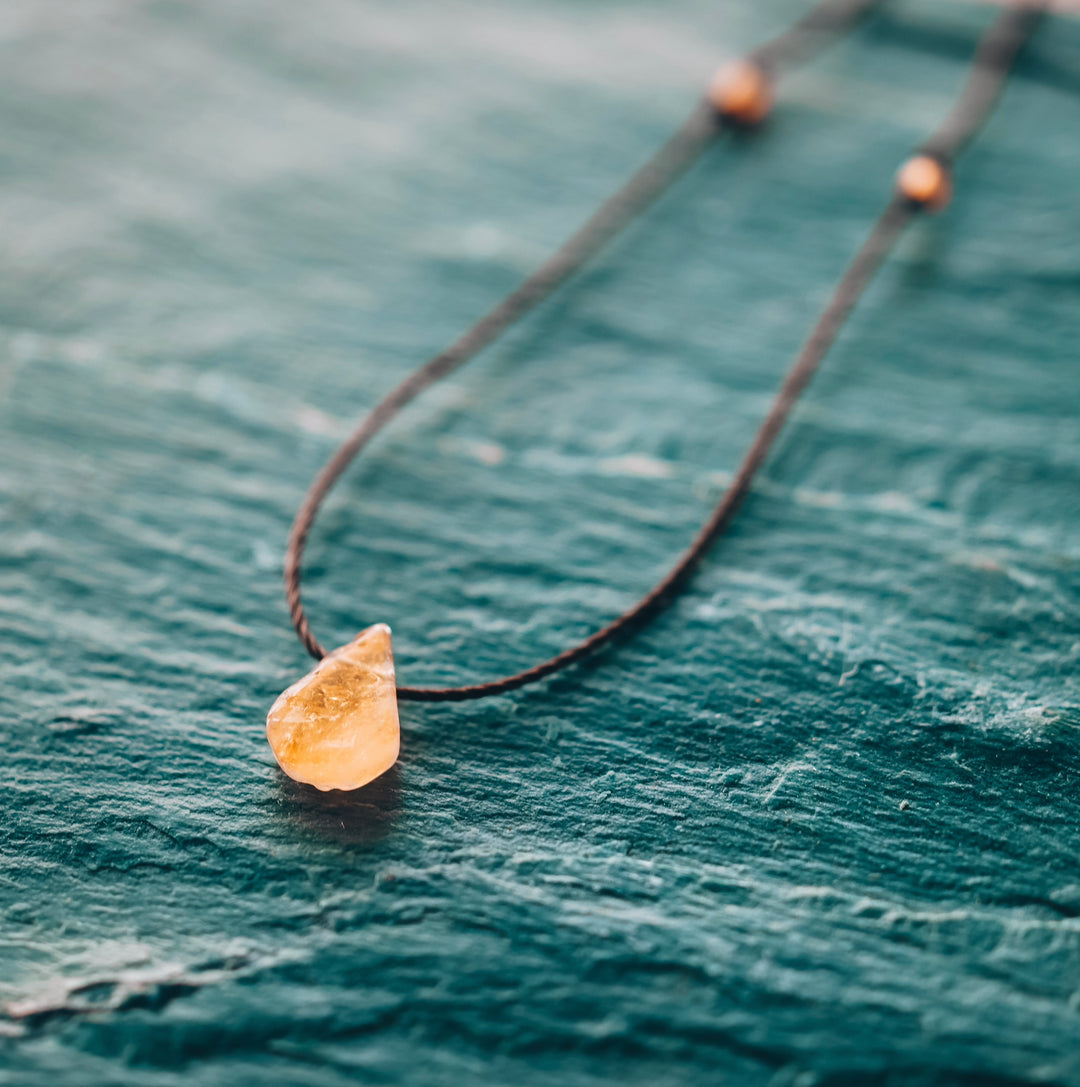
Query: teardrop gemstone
pixel 337 728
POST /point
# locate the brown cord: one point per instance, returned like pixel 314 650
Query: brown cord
pixel 993 59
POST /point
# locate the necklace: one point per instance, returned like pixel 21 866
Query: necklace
pixel 338 728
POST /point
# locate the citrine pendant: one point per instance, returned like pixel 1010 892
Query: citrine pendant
pixel 337 728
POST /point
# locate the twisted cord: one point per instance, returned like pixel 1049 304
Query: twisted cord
pixel 993 59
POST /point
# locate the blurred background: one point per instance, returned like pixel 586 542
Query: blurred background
pixel 816 824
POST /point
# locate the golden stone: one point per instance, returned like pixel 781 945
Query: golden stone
pixel 337 728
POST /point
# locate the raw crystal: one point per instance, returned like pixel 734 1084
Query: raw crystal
pixel 337 728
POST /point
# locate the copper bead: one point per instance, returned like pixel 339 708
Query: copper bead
pixel 742 93
pixel 925 181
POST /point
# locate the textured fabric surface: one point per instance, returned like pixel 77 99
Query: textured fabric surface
pixel 818 824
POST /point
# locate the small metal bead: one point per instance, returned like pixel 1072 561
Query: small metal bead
pixel 925 181
pixel 742 93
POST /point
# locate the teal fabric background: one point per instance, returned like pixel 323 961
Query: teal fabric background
pixel 818 824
